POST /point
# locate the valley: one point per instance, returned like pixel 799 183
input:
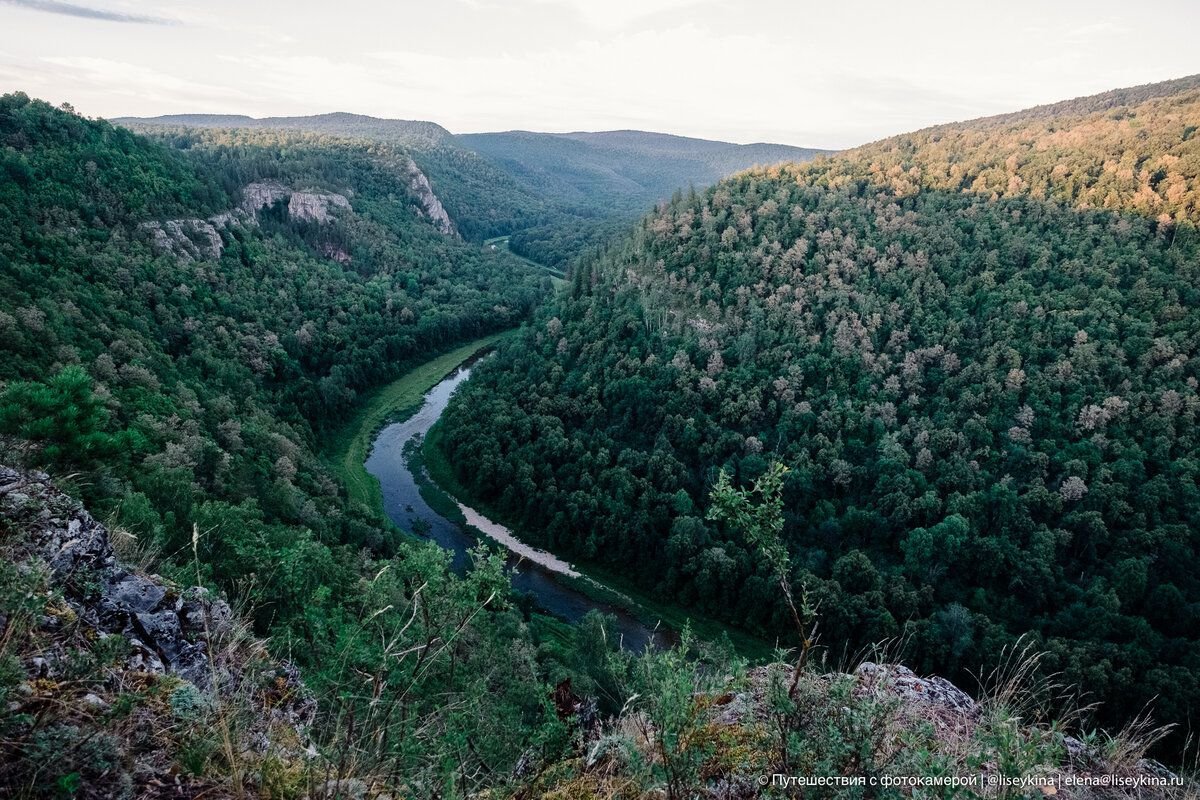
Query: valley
pixel 358 459
pixel 458 528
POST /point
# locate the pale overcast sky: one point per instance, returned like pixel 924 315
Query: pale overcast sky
pixel 829 74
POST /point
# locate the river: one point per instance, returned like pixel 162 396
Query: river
pixel 533 571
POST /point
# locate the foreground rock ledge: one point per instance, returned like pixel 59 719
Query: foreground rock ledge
pixel 176 643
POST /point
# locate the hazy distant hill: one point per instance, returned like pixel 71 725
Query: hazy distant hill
pixel 414 133
pixel 638 166
pixel 483 199
pixel 632 168
pixel 557 194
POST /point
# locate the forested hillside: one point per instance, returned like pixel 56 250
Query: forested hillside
pixel 604 181
pixel 178 327
pixel 483 199
pixel 973 346
pixel 986 405
pixel 632 168
pixel 557 195
pixel 412 133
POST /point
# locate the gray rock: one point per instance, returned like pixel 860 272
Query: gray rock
pixel 133 594
pixel 1157 769
pixel 903 682
pixel 168 629
pixel 188 239
pixel 315 206
pixel 1077 750
pixel 739 708
pixel 419 185
pixel 262 194
pixel 94 701
pixel 144 660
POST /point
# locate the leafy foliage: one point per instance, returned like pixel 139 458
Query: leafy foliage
pixel 556 194
pixel 188 395
pixel 483 199
pixel 974 347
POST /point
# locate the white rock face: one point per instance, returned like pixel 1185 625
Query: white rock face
pixel 310 206
pixel 191 239
pixel 315 206
pixel 262 194
pixel 418 184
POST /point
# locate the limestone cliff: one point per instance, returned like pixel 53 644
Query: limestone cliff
pixel 430 204
pixel 192 239
pixel 311 206
pixel 316 206
pixel 200 239
pixel 262 194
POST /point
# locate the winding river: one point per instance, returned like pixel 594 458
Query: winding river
pixel 535 572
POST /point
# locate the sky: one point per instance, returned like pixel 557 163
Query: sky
pixel 830 74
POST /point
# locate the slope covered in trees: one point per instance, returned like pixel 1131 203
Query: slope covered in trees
pixel 197 375
pixel 974 346
pixel 604 181
pixel 182 317
pixel 631 168
pixel 557 194
pixel 180 383
pixel 483 199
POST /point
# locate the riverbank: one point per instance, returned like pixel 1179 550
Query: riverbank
pixel 536 575
pixel 353 445
pixel 347 449
pixel 557 276
pixel 442 490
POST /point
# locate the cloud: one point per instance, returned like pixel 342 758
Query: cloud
pixel 612 15
pixel 87 12
pixel 155 90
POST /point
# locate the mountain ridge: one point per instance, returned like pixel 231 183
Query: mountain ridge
pixel 412 131
pixel 961 341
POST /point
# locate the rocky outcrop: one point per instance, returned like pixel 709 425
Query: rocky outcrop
pixel 200 239
pixel 191 239
pixel 432 207
pixel 309 206
pixel 315 206
pixel 170 629
pixel 880 722
pixel 173 641
pixel 910 687
pixel 262 194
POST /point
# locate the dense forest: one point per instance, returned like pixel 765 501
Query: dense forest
pixel 483 199
pixel 974 347
pixel 887 394
pixel 182 388
pixel 633 169
pixel 557 195
pixel 602 182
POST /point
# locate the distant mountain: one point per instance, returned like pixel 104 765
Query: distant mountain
pixel 625 169
pixel 710 150
pixel 638 167
pixel 557 194
pixel 483 199
pixel 414 133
